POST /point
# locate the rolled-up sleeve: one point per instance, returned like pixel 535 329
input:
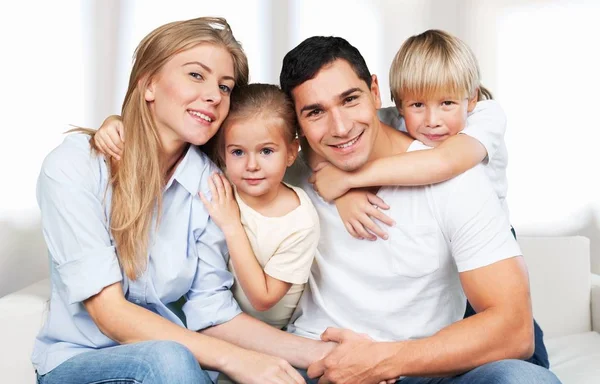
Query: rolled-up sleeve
pixel 209 300
pixel 69 193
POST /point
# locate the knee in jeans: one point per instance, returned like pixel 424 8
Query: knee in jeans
pixel 173 362
pixel 518 372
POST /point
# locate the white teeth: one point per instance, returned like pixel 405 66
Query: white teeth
pixel 348 144
pixel 201 115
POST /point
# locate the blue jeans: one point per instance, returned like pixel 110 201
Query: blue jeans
pixel 149 362
pixel 499 372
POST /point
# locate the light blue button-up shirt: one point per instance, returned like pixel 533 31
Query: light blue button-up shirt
pixel 186 253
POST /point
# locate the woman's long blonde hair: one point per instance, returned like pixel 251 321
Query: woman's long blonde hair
pixel 435 62
pixel 138 179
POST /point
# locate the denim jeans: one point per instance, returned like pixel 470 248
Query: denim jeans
pixel 499 372
pixel 149 362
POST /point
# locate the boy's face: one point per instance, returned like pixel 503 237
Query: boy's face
pixel 337 113
pixel 431 120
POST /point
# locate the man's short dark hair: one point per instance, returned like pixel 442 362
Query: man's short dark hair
pixel 306 60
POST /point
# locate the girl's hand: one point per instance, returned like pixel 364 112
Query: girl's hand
pixel 109 139
pixel 357 209
pixel 223 208
pixel 329 181
pixel 257 368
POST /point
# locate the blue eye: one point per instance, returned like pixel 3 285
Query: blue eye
pixel 196 76
pixel 225 89
pixel 237 152
pixel 266 151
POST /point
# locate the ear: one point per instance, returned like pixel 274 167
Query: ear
pixel 375 92
pixel 292 152
pixel 473 101
pixel 149 92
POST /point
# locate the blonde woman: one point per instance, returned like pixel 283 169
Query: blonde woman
pixel 129 240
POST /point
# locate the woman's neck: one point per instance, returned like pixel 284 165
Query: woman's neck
pixel 171 157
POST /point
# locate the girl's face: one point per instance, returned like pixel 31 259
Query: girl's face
pixel 189 97
pixel 257 155
pixel 431 120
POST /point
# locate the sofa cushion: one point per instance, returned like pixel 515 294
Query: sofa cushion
pixel 21 316
pixel 559 273
pixel 575 359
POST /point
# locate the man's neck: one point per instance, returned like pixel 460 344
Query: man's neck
pixel 389 142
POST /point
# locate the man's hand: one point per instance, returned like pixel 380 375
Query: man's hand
pixel 329 181
pixel 354 361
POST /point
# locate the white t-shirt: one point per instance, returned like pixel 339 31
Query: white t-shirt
pixel 408 286
pixel 487 124
pixel 285 247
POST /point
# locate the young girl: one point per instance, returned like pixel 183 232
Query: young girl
pixel 271 228
pixel 436 85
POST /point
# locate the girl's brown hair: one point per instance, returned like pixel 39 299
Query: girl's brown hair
pixel 265 100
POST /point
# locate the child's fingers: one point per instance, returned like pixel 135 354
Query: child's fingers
pixel 351 231
pixel 213 189
pixel 114 140
pixel 121 131
pixel 362 232
pixel 372 227
pixel 112 147
pixel 218 185
pixel 226 186
pixel 204 200
pixel 377 201
pixel 379 215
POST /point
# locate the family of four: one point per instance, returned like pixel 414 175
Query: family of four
pixel 190 236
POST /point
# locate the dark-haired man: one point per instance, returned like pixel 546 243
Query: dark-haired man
pixel 405 293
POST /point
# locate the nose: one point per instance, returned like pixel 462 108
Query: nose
pixel 252 164
pixel 211 92
pixel 339 126
pixel 431 118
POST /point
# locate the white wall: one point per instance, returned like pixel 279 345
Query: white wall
pixel 538 57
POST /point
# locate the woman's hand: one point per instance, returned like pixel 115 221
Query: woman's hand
pixel 258 368
pixel 109 139
pixel 223 208
pixel 357 209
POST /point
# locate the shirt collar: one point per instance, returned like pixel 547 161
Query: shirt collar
pixel 190 170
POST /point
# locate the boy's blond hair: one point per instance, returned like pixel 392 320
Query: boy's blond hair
pixel 435 63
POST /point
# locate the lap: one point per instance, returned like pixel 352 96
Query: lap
pixel 499 372
pixel 145 362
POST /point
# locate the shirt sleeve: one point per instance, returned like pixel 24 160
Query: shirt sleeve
pixel 294 257
pixel 474 222
pixel 209 300
pixel 70 196
pixel 487 124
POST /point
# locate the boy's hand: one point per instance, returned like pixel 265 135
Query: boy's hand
pixel 329 181
pixel 109 139
pixel 357 209
pixel 223 208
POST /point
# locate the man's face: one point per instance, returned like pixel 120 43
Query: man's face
pixel 337 113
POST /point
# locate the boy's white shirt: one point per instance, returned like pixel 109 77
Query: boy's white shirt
pixel 487 124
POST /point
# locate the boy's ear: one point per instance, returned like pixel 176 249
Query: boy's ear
pixel 473 101
pixel 292 152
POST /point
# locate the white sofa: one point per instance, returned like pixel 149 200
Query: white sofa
pixel 566 303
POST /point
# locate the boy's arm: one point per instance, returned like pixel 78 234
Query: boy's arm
pixel 479 141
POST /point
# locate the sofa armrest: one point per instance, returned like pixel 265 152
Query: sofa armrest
pixel 22 314
pixel 595 302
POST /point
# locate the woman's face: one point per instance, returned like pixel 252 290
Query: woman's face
pixel 189 97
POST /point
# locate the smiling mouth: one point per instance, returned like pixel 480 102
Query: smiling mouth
pixel 348 144
pixel 201 115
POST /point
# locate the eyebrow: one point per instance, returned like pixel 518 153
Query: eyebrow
pixel 342 95
pixel 261 144
pixel 207 69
